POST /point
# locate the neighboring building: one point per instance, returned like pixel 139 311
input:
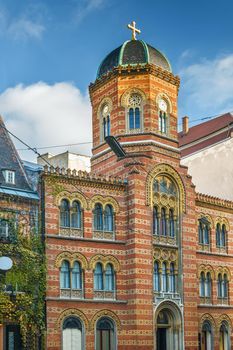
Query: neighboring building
pixel 136 258
pixel 19 207
pixel 66 160
pixel 207 151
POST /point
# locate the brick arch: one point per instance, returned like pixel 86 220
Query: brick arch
pixel 104 101
pixel 125 97
pixel 105 313
pixel 104 259
pixel 206 268
pixel 170 172
pixel 222 221
pixel 69 313
pixel 104 201
pixel 224 318
pixel 71 257
pixel 165 97
pixel 207 317
pixel 72 197
pixel 223 270
pixel 208 217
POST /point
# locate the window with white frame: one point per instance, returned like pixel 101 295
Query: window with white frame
pixel 9 176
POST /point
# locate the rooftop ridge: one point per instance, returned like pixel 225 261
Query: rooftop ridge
pixel 214 200
pixel 84 175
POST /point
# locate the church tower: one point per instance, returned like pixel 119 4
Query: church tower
pixel 134 99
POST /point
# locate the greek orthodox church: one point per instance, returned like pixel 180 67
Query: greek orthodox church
pixel 136 257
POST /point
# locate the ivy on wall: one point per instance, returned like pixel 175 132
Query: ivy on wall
pixel 22 302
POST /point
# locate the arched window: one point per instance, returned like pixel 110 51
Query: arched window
pixel 134 111
pixel 98 277
pixel 106 123
pixel 163 222
pixel 206 335
pixel 223 236
pixel 105 334
pixel 172 282
pixel 225 286
pixel 218 235
pixel 203 231
pixel 64 213
pixel 202 285
pixel 76 215
pixel 224 339
pixel 208 285
pixel 163 116
pixel 108 218
pixel 98 217
pixel 109 278
pixel 171 223
pixel 164 277
pixel 219 285
pixel 155 221
pixel 156 277
pixel 76 276
pixel 164 218
pixel 65 275
pixel 72 334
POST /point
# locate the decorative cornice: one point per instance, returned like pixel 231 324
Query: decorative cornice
pixel 80 175
pixel 204 198
pixel 136 69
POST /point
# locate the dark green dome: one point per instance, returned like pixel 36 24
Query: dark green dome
pixel 133 52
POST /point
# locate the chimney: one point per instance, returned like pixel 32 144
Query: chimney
pixel 185 125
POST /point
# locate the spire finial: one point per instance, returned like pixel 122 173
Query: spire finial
pixel 132 26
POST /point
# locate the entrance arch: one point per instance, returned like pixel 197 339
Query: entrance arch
pixel 168 327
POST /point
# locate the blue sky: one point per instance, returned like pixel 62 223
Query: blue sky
pixel 50 52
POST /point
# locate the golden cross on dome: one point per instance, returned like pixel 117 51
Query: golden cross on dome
pixel 132 26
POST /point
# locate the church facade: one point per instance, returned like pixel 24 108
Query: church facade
pixel 136 258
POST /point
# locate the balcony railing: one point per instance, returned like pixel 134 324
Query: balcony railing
pixel 104 294
pixel 70 232
pixel 108 235
pixel 71 293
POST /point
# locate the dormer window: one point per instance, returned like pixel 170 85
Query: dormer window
pixel 9 176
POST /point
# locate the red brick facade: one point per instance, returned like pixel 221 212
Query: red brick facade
pixel 145 315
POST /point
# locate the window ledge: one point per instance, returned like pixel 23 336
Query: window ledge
pixel 57 236
pixel 84 300
pixel 70 232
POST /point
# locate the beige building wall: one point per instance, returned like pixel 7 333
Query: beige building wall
pixel 66 160
pixel 212 169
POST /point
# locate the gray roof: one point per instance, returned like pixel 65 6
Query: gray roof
pixel 10 160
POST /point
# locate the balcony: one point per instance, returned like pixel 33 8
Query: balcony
pixel 160 296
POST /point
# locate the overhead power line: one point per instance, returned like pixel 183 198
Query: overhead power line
pixel 56 146
pixel 25 144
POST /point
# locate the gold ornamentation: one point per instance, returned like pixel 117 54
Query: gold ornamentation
pixel 105 313
pixel 222 221
pixel 168 171
pixel 207 317
pixel 104 201
pixel 132 26
pixel 128 93
pixel 69 313
pixel 71 257
pixel 166 255
pixel 206 269
pixel 223 270
pixel 104 259
pixel 72 197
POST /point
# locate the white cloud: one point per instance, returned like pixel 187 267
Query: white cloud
pixel 44 115
pixel 206 87
pixel 85 7
pixel 28 24
pixel 24 28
